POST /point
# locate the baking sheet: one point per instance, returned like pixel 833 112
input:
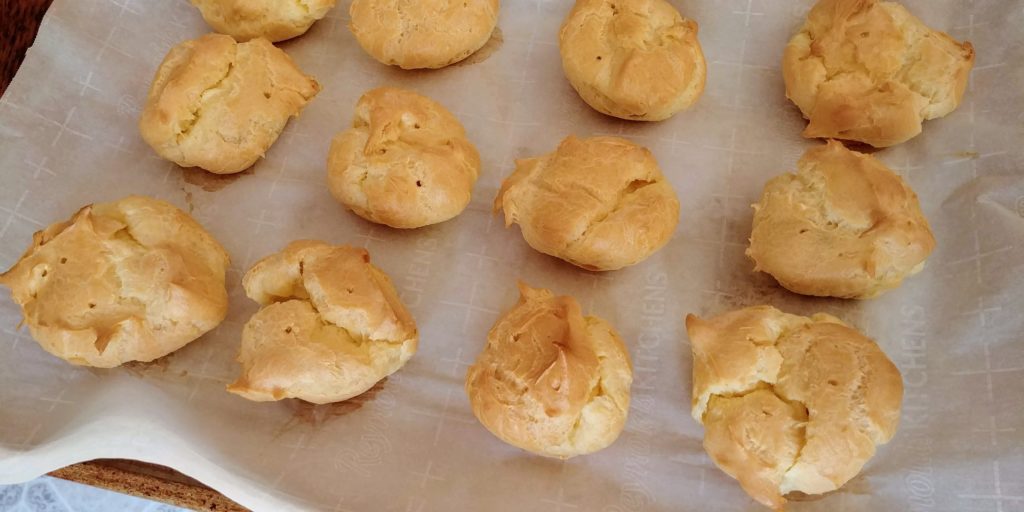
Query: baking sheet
pixel 68 137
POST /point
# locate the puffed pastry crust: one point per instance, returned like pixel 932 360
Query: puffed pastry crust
pixel 843 225
pixel 790 403
pixel 870 71
pixel 551 381
pixel 220 105
pixel 405 162
pixel 632 59
pixel 129 280
pixel 599 203
pixel 330 326
pixel 274 20
pixel 424 33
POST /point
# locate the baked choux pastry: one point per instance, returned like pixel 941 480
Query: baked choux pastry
pixel 330 326
pixel 219 105
pixel 405 162
pixel 843 225
pixel 550 380
pixel 274 20
pixel 422 34
pixel 599 203
pixel 868 70
pixel 790 403
pixel 129 280
pixel 633 59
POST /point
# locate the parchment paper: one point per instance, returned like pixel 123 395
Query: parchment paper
pixel 69 137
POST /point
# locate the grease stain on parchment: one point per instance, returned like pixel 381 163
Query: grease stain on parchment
pixel 140 368
pixel 314 415
pixel 485 51
pixel 966 154
pixel 209 181
pixel 157 368
pixel 856 486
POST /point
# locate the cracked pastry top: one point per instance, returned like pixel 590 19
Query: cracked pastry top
pixel 843 225
pixel 129 280
pixel 599 203
pixel 790 403
pixel 551 381
pixel 330 326
pixel 274 20
pixel 405 162
pixel 422 34
pixel 870 71
pixel 632 59
pixel 219 105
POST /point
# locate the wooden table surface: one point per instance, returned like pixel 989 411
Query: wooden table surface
pixel 148 481
pixel 19 23
pixel 18 26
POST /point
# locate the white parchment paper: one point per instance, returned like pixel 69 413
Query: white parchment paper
pixel 68 137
